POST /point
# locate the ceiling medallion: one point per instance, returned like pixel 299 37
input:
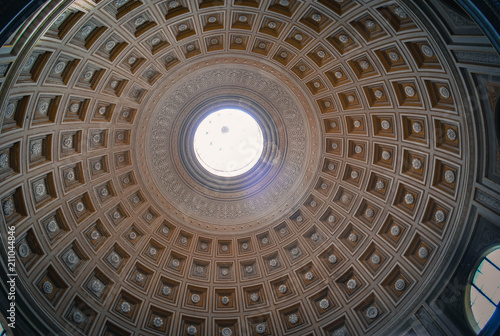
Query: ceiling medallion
pixel 52 226
pixel 125 307
pixel 261 328
pixel 4 160
pixel 94 235
pixel 380 185
pixel 395 230
pixel 157 322
pixel 191 330
pixel 372 312
pixel 96 286
pixel 451 134
pixel 173 4
pixel 400 12
pixel 47 287
pixel 254 297
pixel 195 298
pixel 78 317
pixel 86 30
pixel 351 284
pixel 427 50
pixel 440 216
pixel 400 284
pixel 23 250
pixel 410 91
pixel 29 62
pixel 166 290
pixel 324 304
pixel 293 318
pixel 343 38
pixel 36 148
pixel 155 41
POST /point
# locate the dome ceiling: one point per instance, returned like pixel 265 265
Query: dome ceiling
pixel 339 228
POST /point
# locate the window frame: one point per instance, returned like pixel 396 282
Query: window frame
pixel 468 308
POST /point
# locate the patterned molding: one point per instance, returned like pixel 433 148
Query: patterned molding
pixel 477 57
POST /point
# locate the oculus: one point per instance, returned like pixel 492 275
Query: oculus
pixel 228 142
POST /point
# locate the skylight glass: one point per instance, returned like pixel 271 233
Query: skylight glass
pixel 228 142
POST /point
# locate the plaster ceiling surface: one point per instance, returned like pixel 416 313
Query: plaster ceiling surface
pixel 340 228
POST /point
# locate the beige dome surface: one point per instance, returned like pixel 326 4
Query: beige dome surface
pixel 343 227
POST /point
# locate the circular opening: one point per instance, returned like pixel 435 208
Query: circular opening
pixel 228 142
pixel 485 289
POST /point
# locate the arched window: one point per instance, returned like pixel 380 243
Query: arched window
pixel 485 289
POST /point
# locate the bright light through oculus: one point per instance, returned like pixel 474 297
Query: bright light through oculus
pixel 228 142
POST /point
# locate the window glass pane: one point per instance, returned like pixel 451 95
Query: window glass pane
pixel 487 279
pixel 482 309
pixel 478 276
pixel 495 257
pixel 494 289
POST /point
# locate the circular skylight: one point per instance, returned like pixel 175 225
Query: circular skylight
pixel 228 142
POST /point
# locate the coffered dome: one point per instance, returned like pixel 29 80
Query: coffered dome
pixel 329 184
